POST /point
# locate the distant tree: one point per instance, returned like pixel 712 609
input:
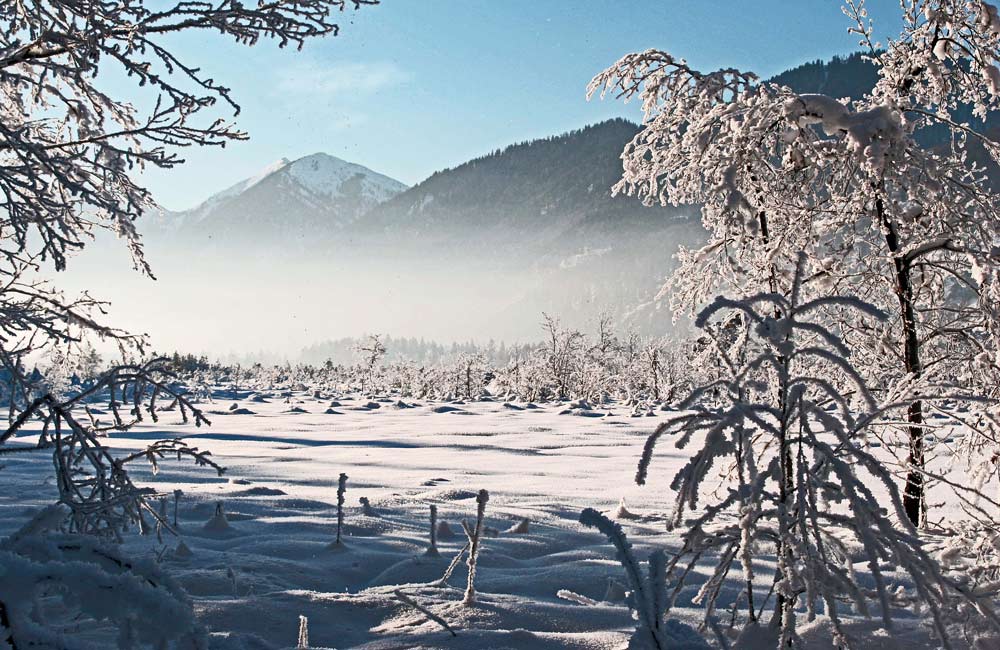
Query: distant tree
pixel 89 361
pixel 563 352
pixel 371 353
pixel 469 372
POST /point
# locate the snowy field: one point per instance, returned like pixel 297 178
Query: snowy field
pixel 270 561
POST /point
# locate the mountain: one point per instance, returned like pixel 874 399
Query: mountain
pixel 328 249
pixel 842 76
pixel 852 76
pixel 541 200
pixel 552 194
pixel 288 202
pixel 539 218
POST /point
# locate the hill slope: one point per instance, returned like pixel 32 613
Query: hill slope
pixel 524 198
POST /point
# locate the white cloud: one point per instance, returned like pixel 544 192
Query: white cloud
pixel 339 80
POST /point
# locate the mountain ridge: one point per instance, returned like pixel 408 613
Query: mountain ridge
pixel 558 187
pixel 535 194
pixel 286 201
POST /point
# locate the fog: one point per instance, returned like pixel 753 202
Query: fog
pixel 270 306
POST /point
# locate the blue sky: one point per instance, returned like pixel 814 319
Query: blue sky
pixel 413 86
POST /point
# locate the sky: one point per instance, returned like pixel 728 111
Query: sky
pixel 410 87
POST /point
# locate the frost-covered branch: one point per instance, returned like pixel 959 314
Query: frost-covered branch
pixel 805 478
pixel 848 181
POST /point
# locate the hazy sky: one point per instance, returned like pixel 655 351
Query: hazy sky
pixel 414 86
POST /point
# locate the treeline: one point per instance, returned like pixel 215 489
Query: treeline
pixel 566 364
pixel 417 350
pixel 843 76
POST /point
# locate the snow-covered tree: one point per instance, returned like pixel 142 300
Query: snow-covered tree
pixel 468 372
pixel 563 351
pixel 783 459
pixel 370 353
pixel 911 229
pixel 71 151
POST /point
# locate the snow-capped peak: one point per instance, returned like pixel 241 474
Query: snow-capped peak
pixel 325 175
pixel 315 191
pixel 267 171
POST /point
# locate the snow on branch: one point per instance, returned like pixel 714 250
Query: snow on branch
pixel 781 443
pixel 94 582
pixel 93 483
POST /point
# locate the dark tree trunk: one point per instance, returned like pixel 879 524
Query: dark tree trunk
pixel 786 490
pixel 656 374
pixel 913 491
pixel 785 486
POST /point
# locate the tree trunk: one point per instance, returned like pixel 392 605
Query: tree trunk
pixel 656 374
pixel 786 488
pixel 913 491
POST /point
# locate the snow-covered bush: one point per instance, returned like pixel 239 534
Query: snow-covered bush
pixel 781 437
pixel 93 482
pixel 65 370
pixel 647 595
pixel 370 354
pixel 98 502
pixel 53 583
pixel 969 553
pixel 568 364
pixel 475 537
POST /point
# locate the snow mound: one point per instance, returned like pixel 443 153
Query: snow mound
pixel 219 523
pixel 449 409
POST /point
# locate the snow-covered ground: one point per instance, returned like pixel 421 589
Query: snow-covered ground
pixel 252 576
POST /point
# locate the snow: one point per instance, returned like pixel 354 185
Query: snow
pixel 177 220
pixel 871 133
pixel 250 182
pixel 254 545
pixel 325 175
pixel 318 179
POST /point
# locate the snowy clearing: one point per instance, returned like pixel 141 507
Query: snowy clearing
pixel 270 560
